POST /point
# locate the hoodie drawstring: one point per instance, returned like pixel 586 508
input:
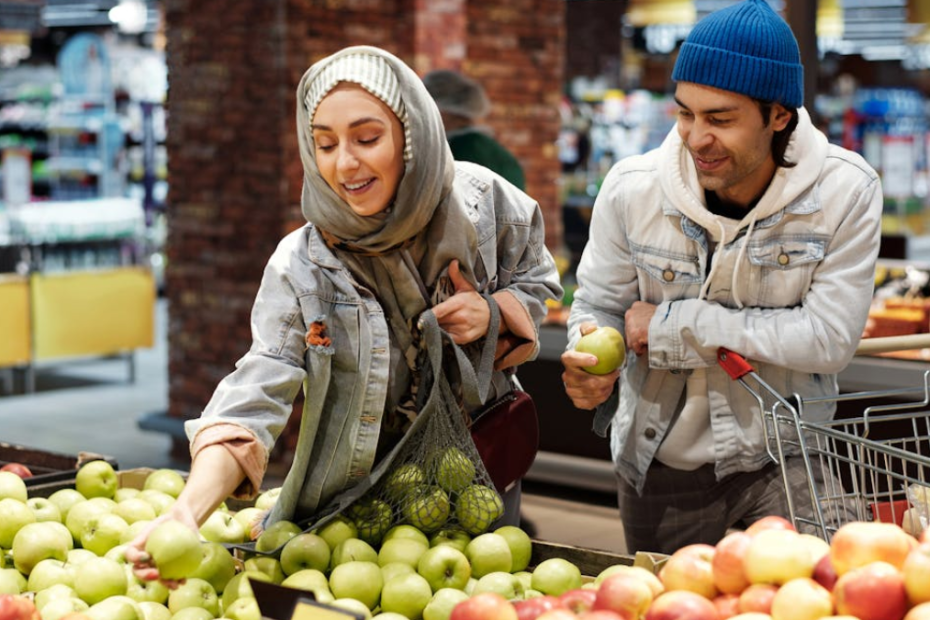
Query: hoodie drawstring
pixel 713 261
pixel 739 259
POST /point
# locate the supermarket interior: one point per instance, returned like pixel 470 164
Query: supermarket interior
pixel 150 166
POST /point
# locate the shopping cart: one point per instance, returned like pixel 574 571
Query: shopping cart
pixel 871 467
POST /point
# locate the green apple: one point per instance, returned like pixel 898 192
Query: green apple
pixel 155 611
pixel 488 553
pixel 500 582
pixel 96 479
pixel 134 509
pixel 393 569
pixel 276 536
pixel 407 595
pixel 443 601
pixel 245 608
pixel 444 566
pixel 43 509
pixel 402 480
pixel 477 508
pixel 58 608
pixel 124 493
pixel 14 514
pixel 159 500
pixel 239 586
pixel 353 606
pixel 78 556
pixel 193 613
pixel 556 576
pixel 268 564
pixel 99 579
pixel 35 542
pixel 267 499
pixel 115 608
pixel 606 344
pixel 352 549
pixel 103 532
pixel 306 550
pixel 452 468
pixel 49 572
pixel 248 517
pixel 80 514
pixel 359 580
pixel 12 581
pixel 312 580
pixel 117 554
pixel 174 549
pixel 389 615
pixel 521 546
pixel 406 550
pixel 373 518
pixel 166 480
pixel 13 487
pixel 134 530
pixel 217 567
pixel 452 536
pixel 337 530
pixel 404 530
pixel 58 590
pixel 65 499
pixel 194 593
pixel 145 591
pixel 526 578
pixel 427 509
pixel 222 527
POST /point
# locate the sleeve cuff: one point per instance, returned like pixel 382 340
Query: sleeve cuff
pixel 244 447
pixel 519 342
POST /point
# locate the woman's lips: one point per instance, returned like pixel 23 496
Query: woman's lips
pixel 357 187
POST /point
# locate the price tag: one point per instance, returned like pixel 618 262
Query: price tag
pixel 280 603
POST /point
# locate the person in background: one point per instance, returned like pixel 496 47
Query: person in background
pixel 746 230
pixel 463 104
pixel 395 227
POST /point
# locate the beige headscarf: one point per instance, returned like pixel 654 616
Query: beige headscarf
pixel 426 207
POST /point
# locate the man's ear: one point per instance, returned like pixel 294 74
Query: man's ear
pixel 781 116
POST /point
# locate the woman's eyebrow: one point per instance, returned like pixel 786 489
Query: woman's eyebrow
pixel 355 123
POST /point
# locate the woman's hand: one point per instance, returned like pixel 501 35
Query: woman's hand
pixel 586 391
pixel 135 552
pixel 465 315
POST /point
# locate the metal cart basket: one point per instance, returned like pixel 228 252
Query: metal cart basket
pixel 871 467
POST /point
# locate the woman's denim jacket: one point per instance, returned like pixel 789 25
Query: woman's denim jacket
pixel 804 280
pixel 346 383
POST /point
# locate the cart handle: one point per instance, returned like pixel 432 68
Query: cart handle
pixel 734 364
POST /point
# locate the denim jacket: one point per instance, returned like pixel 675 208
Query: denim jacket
pixel 346 383
pixel 789 288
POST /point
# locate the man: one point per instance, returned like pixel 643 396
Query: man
pixel 745 229
pixel 463 103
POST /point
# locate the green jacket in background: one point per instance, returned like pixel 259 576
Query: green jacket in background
pixel 472 144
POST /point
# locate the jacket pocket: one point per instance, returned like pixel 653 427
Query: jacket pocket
pixel 782 268
pixel 665 275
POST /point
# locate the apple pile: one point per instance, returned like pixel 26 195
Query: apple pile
pixel 869 571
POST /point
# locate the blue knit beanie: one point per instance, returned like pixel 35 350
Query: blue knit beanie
pixel 746 48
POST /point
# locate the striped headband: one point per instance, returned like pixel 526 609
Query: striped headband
pixel 371 73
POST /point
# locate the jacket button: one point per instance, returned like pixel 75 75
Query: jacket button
pixel 668 275
pixel 650 433
pixel 783 259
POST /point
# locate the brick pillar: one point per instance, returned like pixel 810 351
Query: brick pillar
pixel 234 172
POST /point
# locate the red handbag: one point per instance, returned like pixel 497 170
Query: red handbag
pixel 506 434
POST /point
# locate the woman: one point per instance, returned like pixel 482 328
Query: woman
pixel 395 227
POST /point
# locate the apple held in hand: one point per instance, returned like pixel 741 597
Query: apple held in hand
pixel 607 345
pixel 175 550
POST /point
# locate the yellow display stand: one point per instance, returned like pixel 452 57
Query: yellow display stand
pixel 92 313
pixel 15 330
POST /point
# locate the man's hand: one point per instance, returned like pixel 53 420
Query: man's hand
pixel 637 320
pixel 586 391
pixel 135 552
pixel 465 315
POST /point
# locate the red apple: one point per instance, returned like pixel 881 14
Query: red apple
pixel 919 612
pixel 824 573
pixel 624 594
pixel 871 592
pixel 578 600
pixel 771 522
pixel 916 571
pixel 859 543
pixel 757 598
pixel 485 606
pixel 600 614
pixel 17 468
pixel 681 605
pixel 753 615
pixel 530 608
pixel 727 605
pixel 691 568
pixel 729 574
pixel 557 613
pixel 802 599
pixel 777 556
pixel 16 607
pixel 649 577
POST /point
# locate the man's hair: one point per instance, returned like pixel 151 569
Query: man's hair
pixel 781 138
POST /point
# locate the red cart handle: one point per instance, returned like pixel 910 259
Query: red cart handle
pixel 734 364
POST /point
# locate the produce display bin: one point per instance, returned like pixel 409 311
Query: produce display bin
pixel 48 468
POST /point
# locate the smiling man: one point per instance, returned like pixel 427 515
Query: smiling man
pixel 747 230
